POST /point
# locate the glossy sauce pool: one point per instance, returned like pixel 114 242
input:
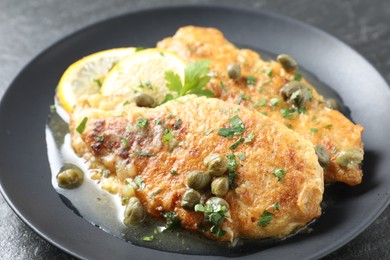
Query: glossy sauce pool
pixel 105 211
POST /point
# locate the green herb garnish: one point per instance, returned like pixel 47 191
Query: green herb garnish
pixel 142 122
pixel 173 172
pixel 262 103
pixel 142 153
pixel 223 87
pixel 274 101
pixel 232 170
pixel 237 127
pixel 98 82
pixel 99 139
pixel 250 138
pixel 125 143
pixel 241 156
pixel 276 206
pixel 217 231
pixel 251 80
pixel 287 112
pixel 139 48
pixel 139 182
pixel 330 126
pixel 80 128
pixel 265 219
pixel 173 222
pixel 279 173
pixel 195 79
pixel 297 77
pixel 237 143
pixel 148 238
pixel 313 130
pixel 177 123
pixel 167 135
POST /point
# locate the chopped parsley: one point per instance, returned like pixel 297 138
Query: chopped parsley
pixel 173 222
pixel 262 103
pixel 330 126
pixel 169 116
pixel 287 112
pixel 125 143
pixel 217 231
pixel 207 132
pixel 265 218
pixel 98 82
pixel 269 74
pixel 126 103
pixel 266 83
pixel 250 138
pixel 157 121
pixel 167 135
pixel 177 123
pixel 237 143
pixel 195 79
pixel 232 170
pixel 99 139
pixel 276 206
pixel 223 87
pixel 142 122
pixel 106 173
pixel 148 238
pixel 313 130
pixel 53 108
pixel 297 77
pixel 251 80
pixel 173 172
pixel 143 153
pixel 274 101
pixel 139 48
pixel 81 127
pixel 139 182
pixel 237 127
pixel 279 173
pixel 241 156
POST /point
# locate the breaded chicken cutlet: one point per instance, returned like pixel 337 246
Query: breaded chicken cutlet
pixel 268 88
pixel 275 180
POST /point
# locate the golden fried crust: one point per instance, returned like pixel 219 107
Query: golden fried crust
pixel 335 131
pixel 299 193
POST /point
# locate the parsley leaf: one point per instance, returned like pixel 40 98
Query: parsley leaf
pixel 250 138
pixel 167 135
pixel 142 122
pixel 217 231
pixel 241 156
pixel 173 172
pixel 139 182
pixel 279 173
pixel 237 127
pixel 265 219
pixel 237 143
pixel 177 123
pixel 80 128
pixel 232 169
pixel 173 222
pixel 195 78
pixel 313 130
pixel 287 112
pixel 297 77
pixel 148 238
pixel 276 206
pixel 274 101
pixel 251 80
pixel 143 153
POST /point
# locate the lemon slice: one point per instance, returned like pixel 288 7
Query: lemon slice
pixel 85 76
pixel 143 71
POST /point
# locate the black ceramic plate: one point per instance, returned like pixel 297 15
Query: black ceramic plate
pixel 25 174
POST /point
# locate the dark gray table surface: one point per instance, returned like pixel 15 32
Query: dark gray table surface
pixel 28 27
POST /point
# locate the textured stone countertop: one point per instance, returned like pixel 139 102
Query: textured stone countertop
pixel 28 27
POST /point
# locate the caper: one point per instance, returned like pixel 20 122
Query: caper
pixel 70 178
pixel 322 154
pixel 220 186
pixel 234 70
pixel 143 100
pixel 297 93
pixel 332 104
pixel 216 164
pixel 288 63
pixel 190 199
pixel 349 157
pixel 134 212
pixel 198 180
